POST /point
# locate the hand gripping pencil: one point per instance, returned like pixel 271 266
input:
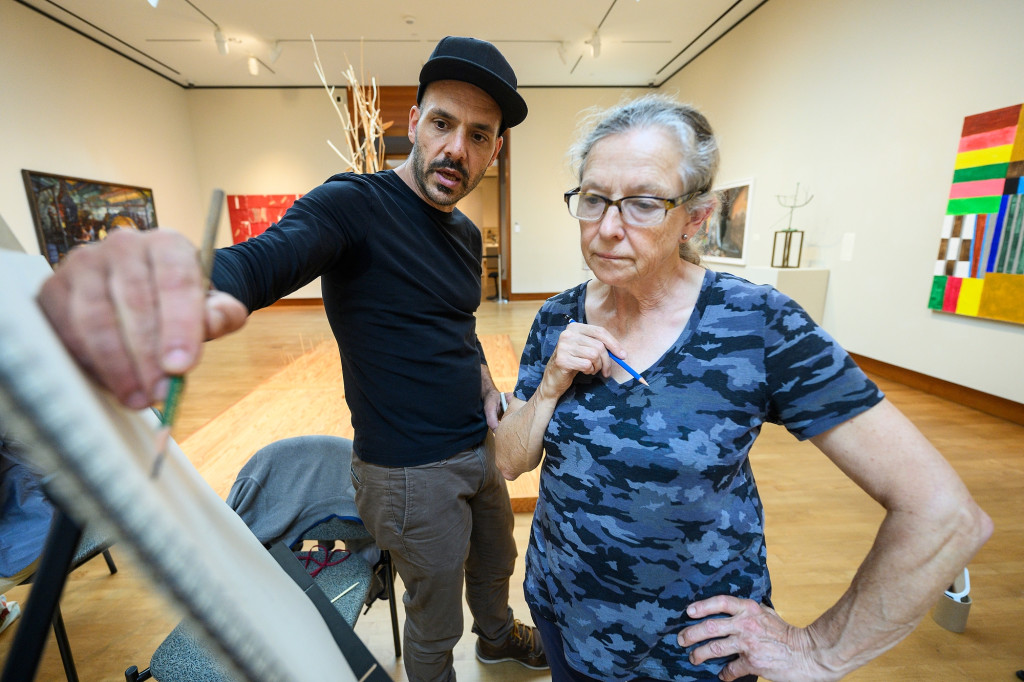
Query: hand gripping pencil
pixel 622 363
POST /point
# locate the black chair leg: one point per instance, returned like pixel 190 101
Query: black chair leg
pixel 111 566
pixel 390 577
pixel 494 276
pixel 132 674
pixel 64 646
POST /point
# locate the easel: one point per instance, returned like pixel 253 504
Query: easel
pixel 171 522
pixel 41 608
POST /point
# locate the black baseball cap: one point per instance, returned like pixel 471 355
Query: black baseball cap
pixel 478 63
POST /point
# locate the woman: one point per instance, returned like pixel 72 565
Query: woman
pixel 647 554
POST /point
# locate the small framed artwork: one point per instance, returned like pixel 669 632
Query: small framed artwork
pixel 71 211
pixel 723 238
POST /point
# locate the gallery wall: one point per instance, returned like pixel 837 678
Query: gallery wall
pixel 545 247
pixel 860 102
pixel 71 107
pixel 275 141
pixel 863 103
pixel 265 141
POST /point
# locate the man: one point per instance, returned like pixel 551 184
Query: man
pixel 400 270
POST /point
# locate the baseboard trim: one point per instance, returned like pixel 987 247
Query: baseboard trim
pixel 539 296
pixel 301 302
pixel 969 397
pixel 298 303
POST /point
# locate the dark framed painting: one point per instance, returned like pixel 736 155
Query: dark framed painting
pixel 71 211
pixel 723 238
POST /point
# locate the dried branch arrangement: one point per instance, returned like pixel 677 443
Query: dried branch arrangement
pixel 364 130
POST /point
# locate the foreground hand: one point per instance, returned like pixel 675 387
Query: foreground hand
pixel 764 644
pixel 132 311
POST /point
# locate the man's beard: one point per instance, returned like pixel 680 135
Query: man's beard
pixel 438 193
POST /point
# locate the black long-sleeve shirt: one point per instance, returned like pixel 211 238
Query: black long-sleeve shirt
pixel 401 284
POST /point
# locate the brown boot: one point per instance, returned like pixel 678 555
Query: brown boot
pixel 522 645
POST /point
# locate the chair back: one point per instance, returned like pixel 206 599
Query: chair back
pixel 291 485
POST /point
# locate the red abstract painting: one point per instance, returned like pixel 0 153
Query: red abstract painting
pixel 251 214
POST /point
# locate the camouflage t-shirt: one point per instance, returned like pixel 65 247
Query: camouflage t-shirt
pixel 647 501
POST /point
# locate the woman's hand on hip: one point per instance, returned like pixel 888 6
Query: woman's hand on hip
pixel 762 643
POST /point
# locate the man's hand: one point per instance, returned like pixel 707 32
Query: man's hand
pixel 491 397
pixel 131 309
pixel 492 409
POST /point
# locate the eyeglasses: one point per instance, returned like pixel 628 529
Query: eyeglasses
pixel 638 211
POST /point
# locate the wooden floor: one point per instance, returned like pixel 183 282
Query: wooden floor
pixel 819 527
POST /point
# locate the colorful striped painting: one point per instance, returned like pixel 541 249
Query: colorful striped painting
pixel 979 271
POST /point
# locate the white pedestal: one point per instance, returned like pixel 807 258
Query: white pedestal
pixel 806 286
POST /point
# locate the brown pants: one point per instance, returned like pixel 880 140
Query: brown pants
pixel 445 523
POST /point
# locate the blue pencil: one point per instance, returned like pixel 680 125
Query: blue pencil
pixel 622 363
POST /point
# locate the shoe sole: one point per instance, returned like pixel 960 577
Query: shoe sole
pixel 489 661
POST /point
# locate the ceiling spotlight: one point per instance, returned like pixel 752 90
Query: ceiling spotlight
pixel 154 3
pixel 595 45
pixel 275 51
pixel 222 42
pixel 561 53
pixel 254 66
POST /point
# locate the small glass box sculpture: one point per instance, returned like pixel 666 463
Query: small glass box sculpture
pixel 788 244
pixel 787 248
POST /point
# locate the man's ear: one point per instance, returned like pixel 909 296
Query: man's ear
pixel 497 148
pixel 414 119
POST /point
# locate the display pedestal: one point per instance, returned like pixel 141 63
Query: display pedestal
pixel 806 286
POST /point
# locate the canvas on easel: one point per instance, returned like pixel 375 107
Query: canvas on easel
pixel 98 458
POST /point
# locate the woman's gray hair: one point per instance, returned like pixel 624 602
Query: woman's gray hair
pixel 684 123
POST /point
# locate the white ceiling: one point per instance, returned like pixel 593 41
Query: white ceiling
pixel 642 42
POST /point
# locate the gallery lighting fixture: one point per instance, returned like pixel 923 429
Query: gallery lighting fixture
pixel 562 54
pixel 222 42
pixel 595 45
pixel 275 51
pixel 254 66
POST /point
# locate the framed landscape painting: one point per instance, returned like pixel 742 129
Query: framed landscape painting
pixel 70 211
pixel 723 238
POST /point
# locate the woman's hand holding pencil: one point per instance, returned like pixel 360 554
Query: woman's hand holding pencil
pixel 622 363
pixel 582 348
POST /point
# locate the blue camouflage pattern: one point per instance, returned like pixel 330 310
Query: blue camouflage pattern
pixel 647 500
